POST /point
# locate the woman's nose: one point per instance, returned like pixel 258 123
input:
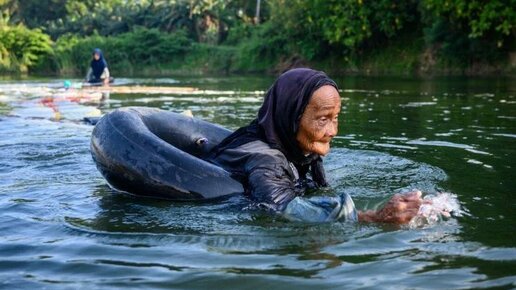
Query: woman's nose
pixel 331 130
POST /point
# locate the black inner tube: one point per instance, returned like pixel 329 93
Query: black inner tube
pixel 156 153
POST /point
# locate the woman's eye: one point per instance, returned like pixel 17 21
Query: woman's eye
pixel 322 121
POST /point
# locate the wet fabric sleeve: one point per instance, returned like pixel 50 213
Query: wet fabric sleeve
pixel 319 209
pixel 271 183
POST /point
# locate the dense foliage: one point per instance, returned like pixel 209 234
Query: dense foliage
pixel 348 25
pixel 470 30
pixel 160 33
pixel 127 51
pixel 21 48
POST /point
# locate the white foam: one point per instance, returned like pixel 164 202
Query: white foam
pixel 435 208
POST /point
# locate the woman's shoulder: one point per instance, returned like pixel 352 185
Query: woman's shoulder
pixel 251 156
pixel 262 155
pixel 260 148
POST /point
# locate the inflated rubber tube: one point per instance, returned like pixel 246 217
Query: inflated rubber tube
pixel 155 153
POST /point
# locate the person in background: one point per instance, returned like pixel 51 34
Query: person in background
pixel 98 71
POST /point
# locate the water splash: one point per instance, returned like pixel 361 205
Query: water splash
pixel 437 207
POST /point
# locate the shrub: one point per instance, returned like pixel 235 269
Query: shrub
pixel 124 52
pixel 22 49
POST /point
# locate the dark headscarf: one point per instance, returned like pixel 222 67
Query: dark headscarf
pixel 98 66
pixel 278 120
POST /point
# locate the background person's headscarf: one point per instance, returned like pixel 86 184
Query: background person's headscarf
pixel 98 66
pixel 278 120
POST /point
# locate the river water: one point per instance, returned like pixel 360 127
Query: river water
pixel 62 227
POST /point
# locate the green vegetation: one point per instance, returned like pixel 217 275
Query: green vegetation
pixel 126 52
pixel 213 36
pixel 21 48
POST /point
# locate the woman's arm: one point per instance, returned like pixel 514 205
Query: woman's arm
pixel 276 191
pixel 271 182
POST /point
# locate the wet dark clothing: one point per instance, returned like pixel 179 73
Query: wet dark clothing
pixel 266 157
pixel 265 172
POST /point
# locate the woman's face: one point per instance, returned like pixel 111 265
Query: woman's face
pixel 319 122
pixel 96 56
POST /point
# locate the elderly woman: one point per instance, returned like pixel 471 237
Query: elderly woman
pixel 98 71
pixel 278 156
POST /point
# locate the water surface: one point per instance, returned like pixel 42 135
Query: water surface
pixel 64 228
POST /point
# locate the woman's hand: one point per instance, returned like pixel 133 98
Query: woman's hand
pixel 400 209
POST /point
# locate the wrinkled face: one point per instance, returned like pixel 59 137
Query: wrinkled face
pixel 96 56
pixel 319 122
